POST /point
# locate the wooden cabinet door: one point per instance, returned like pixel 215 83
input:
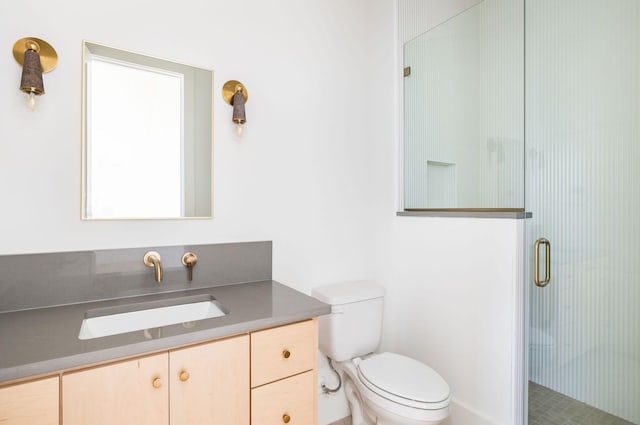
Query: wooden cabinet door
pixel 132 392
pixel 210 383
pixel 31 403
pixel 291 401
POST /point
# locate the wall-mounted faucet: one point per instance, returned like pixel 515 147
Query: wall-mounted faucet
pixel 152 259
pixel 189 259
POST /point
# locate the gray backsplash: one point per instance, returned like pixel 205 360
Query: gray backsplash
pixel 42 280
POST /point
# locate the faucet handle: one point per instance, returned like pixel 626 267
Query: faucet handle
pixel 189 259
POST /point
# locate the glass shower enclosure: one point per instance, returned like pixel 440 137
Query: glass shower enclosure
pixel 551 87
pixel 582 137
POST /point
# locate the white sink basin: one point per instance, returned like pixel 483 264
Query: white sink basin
pixel 153 314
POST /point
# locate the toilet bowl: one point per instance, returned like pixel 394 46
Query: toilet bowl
pixel 385 388
pixel 395 389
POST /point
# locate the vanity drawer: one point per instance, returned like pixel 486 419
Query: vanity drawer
pixel 284 351
pixel 289 401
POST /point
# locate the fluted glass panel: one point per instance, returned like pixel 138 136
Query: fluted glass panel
pixel 464 111
pixel 583 179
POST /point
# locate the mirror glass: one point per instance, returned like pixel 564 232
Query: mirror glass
pixel 147 137
pixel 464 111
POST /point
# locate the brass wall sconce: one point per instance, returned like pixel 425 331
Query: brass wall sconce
pixel 236 95
pixel 36 57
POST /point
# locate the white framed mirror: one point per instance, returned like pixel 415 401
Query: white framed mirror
pixel 147 137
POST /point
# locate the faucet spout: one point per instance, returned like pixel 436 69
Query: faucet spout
pixel 152 259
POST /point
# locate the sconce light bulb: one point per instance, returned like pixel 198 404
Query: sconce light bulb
pixel 239 129
pixel 31 101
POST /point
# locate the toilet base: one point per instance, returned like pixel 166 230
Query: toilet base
pixel 383 419
pixel 355 403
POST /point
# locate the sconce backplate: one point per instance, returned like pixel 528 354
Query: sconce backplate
pixel 231 87
pixel 48 55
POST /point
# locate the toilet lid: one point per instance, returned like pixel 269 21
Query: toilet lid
pixel 403 377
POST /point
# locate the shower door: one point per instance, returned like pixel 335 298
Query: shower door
pixel 583 188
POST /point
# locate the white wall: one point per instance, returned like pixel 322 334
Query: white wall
pixel 451 291
pixel 316 171
pixel 453 285
pixel 305 174
pixel 299 176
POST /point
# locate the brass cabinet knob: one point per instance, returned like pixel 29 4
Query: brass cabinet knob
pixel 157 383
pixel 286 418
pixel 184 376
pixel 286 353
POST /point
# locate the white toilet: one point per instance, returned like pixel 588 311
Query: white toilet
pixel 382 389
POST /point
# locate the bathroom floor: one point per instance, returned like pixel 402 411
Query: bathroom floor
pixel 547 407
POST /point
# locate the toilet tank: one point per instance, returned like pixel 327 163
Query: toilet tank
pixel 354 326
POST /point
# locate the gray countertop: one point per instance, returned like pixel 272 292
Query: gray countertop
pixel 45 340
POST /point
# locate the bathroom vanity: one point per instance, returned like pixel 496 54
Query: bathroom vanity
pixel 210 382
pixel 254 364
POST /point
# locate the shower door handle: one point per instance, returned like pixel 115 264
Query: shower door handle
pixel 547 262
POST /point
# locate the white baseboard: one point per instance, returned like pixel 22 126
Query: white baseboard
pixel 462 414
pixel 334 408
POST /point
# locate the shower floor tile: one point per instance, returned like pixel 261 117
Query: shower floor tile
pixel 548 407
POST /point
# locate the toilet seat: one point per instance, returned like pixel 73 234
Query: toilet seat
pixel 403 380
